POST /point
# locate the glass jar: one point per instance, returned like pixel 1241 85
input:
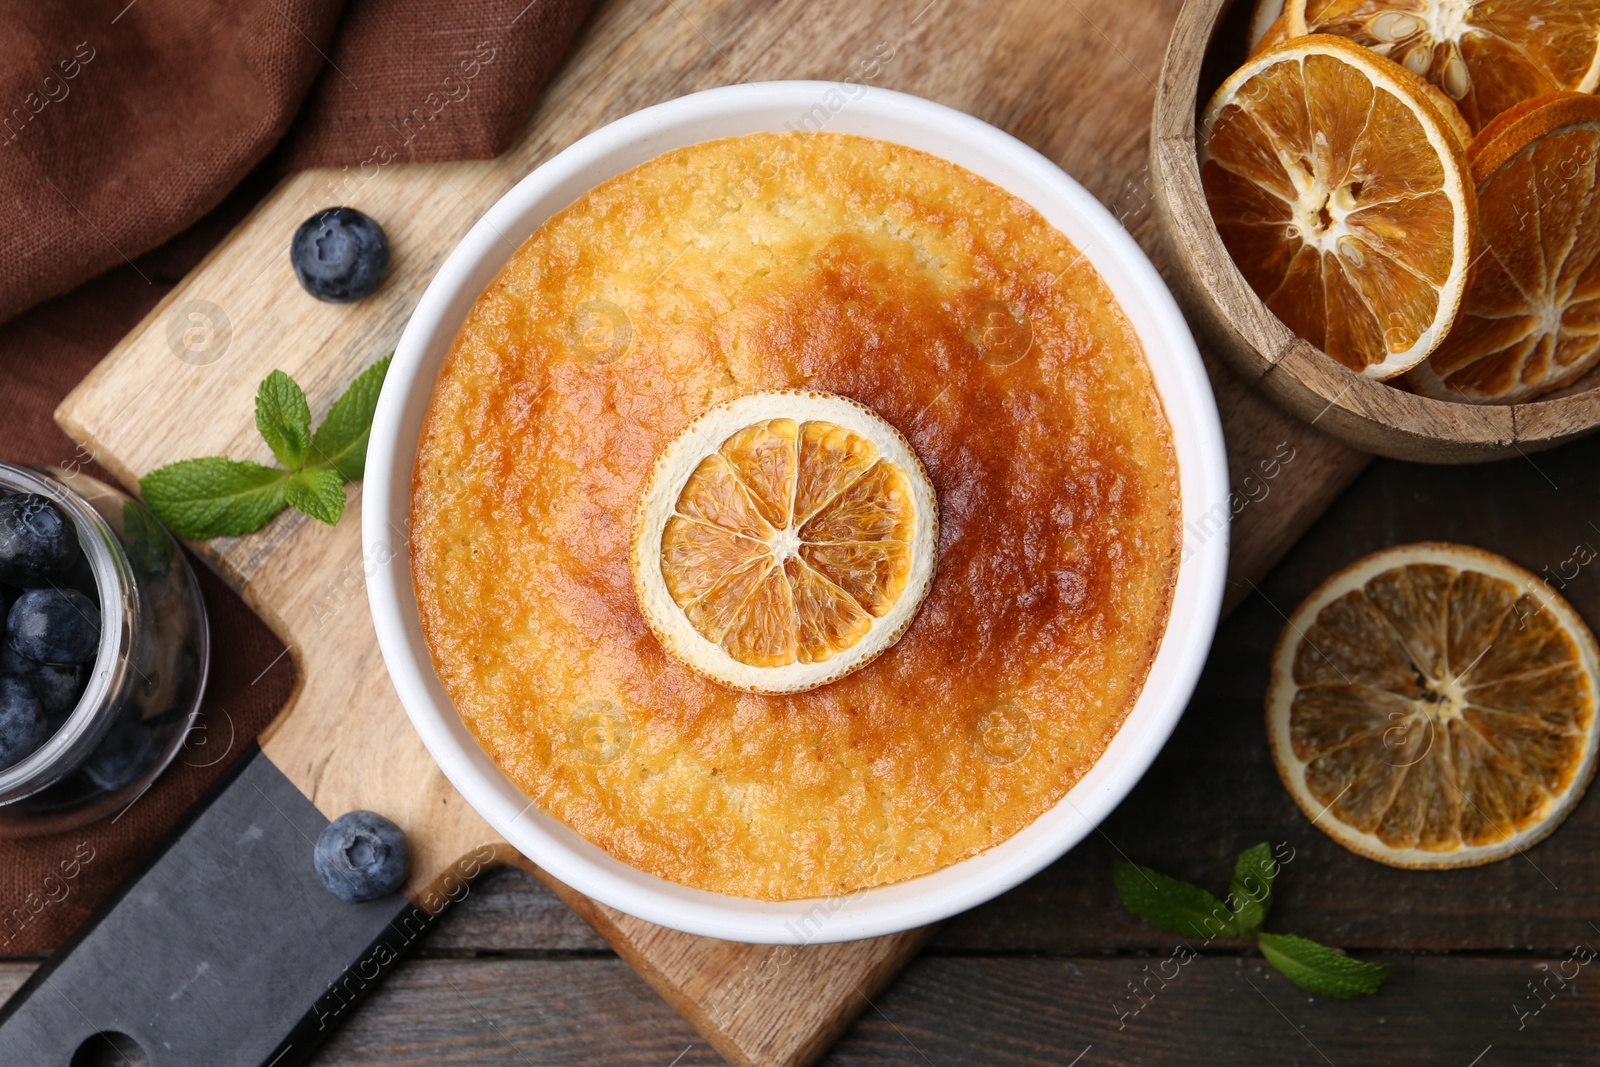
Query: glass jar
pixel 148 675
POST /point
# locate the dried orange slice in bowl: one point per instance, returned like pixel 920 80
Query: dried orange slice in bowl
pixel 1343 194
pixel 1530 321
pixel 1274 35
pixel 1486 55
pixel 1267 25
pixel 1433 705
pixel 784 540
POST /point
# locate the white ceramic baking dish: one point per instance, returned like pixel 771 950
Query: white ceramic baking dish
pixel 734 110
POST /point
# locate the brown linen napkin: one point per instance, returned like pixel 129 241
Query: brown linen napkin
pixel 405 85
pixel 48 885
pixel 122 123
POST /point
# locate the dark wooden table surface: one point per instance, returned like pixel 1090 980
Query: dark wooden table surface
pixel 1043 975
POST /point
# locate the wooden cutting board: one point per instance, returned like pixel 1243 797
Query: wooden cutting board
pixel 1073 79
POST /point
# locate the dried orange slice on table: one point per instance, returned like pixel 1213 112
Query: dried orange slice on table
pixel 1433 705
pixel 1486 55
pixel 1341 189
pixel 1530 321
pixel 785 539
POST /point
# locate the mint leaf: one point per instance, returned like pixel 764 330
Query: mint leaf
pixel 318 493
pixel 1177 907
pixel 340 443
pixel 284 419
pixel 1250 893
pixel 214 497
pixel 1319 969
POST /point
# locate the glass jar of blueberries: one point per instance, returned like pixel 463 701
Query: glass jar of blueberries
pixel 104 650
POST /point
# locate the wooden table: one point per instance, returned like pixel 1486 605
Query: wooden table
pixel 511 978
pixel 1042 975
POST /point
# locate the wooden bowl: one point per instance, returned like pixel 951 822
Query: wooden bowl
pixel 1208 43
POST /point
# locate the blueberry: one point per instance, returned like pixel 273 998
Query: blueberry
pixel 21 719
pixel 128 750
pixel 54 626
pixel 362 856
pixel 58 685
pixel 36 541
pixel 339 255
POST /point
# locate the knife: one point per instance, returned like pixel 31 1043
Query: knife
pixel 225 950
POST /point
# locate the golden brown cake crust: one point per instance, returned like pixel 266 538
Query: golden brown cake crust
pixel 844 265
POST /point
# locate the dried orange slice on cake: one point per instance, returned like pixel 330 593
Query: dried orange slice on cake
pixel 1530 321
pixel 785 539
pixel 1433 705
pixel 1342 192
pixel 1485 55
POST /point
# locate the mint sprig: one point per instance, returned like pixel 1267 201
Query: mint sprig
pixel 218 497
pixel 1189 911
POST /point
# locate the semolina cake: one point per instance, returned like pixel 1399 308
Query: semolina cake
pixel 827 264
